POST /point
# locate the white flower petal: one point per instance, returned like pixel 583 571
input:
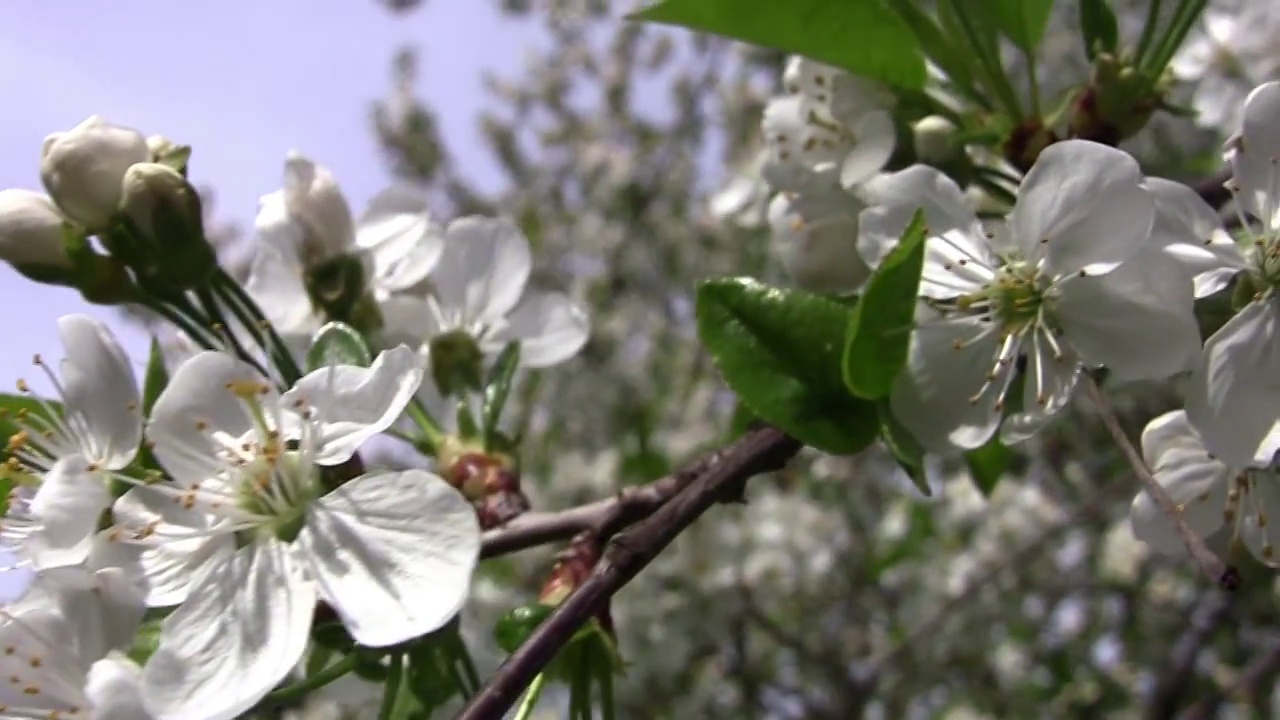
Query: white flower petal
pixel 1199 486
pixel 1253 165
pixel 181 542
pixel 1082 206
pixel 313 199
pixel 1260 506
pixel 1234 390
pixel 931 398
pixel 551 328
pixel 114 690
pixel 407 320
pixel 1137 320
pixel 393 554
pixel 66 507
pixel 1049 384
pixel 243 629
pixel 196 403
pixel 876 137
pixel 483 269
pixel 352 404
pixel 1191 232
pixel 100 391
pixel 405 244
pixel 275 283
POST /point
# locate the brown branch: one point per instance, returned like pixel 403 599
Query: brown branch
pixel 602 517
pixel 760 450
pixel 1214 188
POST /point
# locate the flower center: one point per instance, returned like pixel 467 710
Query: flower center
pixel 1017 296
pixel 276 487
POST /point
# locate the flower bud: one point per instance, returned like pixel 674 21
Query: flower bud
pixel 166 152
pixel 83 169
pixel 31 232
pixel 456 363
pixel 163 212
pixel 815 236
pixel 934 139
pixel 309 213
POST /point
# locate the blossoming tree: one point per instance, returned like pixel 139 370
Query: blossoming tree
pixel 970 273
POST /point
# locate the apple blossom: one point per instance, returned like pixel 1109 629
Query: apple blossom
pixel 31 230
pixel 69 456
pixel 1209 493
pixel 83 169
pixel 247 535
pixel 1051 286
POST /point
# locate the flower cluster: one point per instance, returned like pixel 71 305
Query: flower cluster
pixel 227 504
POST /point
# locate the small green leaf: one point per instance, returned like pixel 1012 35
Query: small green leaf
pixel 497 387
pixel 11 406
pixel 512 628
pixel 1098 28
pixel 337 344
pixel 1022 21
pixel 879 332
pixel 156 378
pixel 905 449
pixel 780 351
pixel 950 58
pixel 987 464
pixel 862 36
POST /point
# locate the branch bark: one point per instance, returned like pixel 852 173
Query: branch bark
pixel 1175 680
pixel 761 450
pixel 1249 681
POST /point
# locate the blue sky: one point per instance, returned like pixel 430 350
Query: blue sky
pixel 241 82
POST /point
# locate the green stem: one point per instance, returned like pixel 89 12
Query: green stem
pixel 246 309
pixel 1148 31
pixel 209 304
pixel 193 330
pixel 525 711
pixel 1033 84
pixel 1186 15
pixel 431 430
pixel 314 682
pixel 391 691
pixel 989 62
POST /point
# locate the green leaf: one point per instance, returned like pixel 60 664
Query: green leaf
pixel 1022 21
pixel 512 629
pixel 497 387
pixel 780 351
pixel 156 378
pixel 879 331
pixel 337 344
pixel 862 36
pixel 987 464
pixel 1098 28
pixel 950 58
pixel 906 450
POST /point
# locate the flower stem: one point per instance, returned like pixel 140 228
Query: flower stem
pixel 314 682
pixel 391 691
pixel 525 711
pixel 1148 30
pixel 430 428
pixel 1210 564
pixel 249 314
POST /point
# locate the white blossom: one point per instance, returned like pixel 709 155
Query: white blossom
pixel 31 230
pixel 247 536
pixel 1051 287
pixel 1232 51
pixel 84 167
pixel 1209 493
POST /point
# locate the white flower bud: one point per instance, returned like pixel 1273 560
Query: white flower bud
pixel 165 214
pixel 310 213
pixel 934 139
pixel 815 237
pixel 166 152
pixel 31 231
pixel 83 168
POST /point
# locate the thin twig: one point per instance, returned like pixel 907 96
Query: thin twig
pixel 1210 564
pixel 1248 683
pixel 602 517
pixel 1174 681
pixel 1214 188
pixel 760 450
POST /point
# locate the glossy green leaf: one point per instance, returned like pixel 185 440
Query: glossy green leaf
pixel 337 344
pixel 156 378
pixel 987 464
pixel 780 351
pixel 879 331
pixel 862 36
pixel 1022 21
pixel 512 628
pixel 906 450
pixel 1098 28
pixel 497 388
pixel 950 57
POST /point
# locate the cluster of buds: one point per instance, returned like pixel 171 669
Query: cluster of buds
pixel 490 480
pixel 128 190
pixel 1118 101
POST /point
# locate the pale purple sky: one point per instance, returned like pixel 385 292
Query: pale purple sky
pixel 243 83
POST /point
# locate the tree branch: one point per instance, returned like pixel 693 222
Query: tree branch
pixel 761 450
pixel 602 517
pixel 1174 681
pixel 1252 677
